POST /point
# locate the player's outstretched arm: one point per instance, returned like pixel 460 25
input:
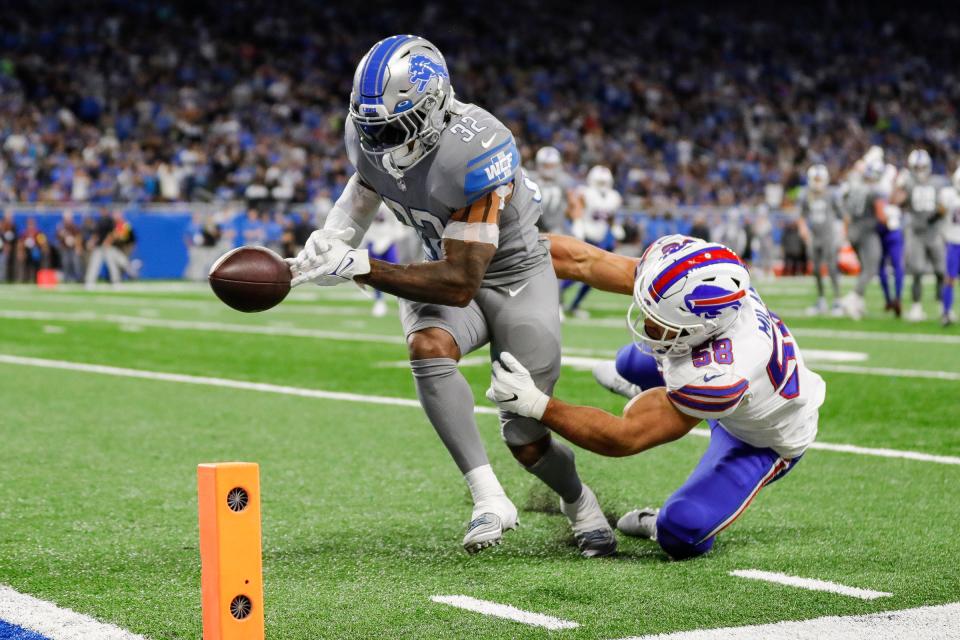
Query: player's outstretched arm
pixel 648 420
pixel 453 281
pixel 577 260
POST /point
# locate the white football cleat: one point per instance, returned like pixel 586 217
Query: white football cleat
pixel 853 305
pixel 489 521
pixel 640 523
pixel 818 309
pixel 605 373
pixel 916 313
pixel 380 308
pixel 593 533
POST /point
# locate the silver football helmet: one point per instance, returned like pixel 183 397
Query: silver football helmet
pixel 399 103
pixel 919 163
pixel 548 162
pixel 818 178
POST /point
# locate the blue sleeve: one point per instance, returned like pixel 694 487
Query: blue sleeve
pixel 491 169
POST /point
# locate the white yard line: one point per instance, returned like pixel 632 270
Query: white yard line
pixel 386 400
pixel 809 584
pixel 505 611
pixel 53 622
pixel 940 622
pixel 200 325
pixel 889 372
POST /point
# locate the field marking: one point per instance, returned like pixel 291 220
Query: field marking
pixel 809 583
pixel 922 623
pixel 386 400
pixel 889 372
pixel 54 622
pixel 505 611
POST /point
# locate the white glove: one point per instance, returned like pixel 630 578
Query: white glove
pixel 328 260
pixel 512 389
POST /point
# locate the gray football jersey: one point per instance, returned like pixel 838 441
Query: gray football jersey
pixel 475 155
pixel 859 205
pixel 553 202
pixel 820 211
pixel 921 203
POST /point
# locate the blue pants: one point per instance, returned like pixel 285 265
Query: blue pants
pixel 892 256
pixel 953 272
pixel 722 485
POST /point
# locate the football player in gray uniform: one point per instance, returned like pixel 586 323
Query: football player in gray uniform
pixel 924 229
pixel 451 171
pixel 819 214
pixel 558 203
pixel 865 193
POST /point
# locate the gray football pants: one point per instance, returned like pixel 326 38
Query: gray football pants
pixel 824 252
pixel 521 318
pixel 868 250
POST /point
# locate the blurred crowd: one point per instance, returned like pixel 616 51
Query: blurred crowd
pixel 144 101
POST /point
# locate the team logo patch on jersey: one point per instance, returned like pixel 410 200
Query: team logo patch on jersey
pixel 707 301
pixel 423 69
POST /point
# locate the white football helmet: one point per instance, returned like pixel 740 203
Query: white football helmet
pixel 818 178
pixel 548 162
pixel 873 169
pixel 399 103
pixel 919 163
pixel 600 177
pixel 686 292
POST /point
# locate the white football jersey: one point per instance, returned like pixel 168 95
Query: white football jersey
pixel 950 201
pixel 599 209
pixel 752 380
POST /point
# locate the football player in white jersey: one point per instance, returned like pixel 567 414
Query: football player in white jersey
pixel 950 205
pixel 724 358
pixel 598 225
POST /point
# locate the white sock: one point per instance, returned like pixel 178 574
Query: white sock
pixel 483 484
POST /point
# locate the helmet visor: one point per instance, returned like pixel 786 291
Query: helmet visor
pixel 380 134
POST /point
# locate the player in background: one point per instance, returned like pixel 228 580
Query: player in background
pixel 950 206
pixel 723 356
pixel 559 204
pixel 865 194
pixel 924 228
pixel 382 237
pixel 451 171
pixel 890 228
pixel 600 202
pixel 819 214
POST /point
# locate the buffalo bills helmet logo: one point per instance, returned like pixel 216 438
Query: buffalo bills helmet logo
pixel 708 301
pixel 423 69
pixel 673 247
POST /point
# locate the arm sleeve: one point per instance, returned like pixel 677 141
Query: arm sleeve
pixel 718 396
pixel 354 209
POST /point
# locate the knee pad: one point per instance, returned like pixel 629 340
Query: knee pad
pixel 681 529
pixel 638 367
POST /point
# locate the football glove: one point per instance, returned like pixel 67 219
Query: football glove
pixel 512 389
pixel 328 260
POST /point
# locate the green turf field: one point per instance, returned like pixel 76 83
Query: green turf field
pixel 363 511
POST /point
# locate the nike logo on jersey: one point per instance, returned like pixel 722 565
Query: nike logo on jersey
pixel 708 377
pixel 513 292
pixel 486 143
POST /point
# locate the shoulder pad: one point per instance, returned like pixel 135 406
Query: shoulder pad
pixel 469 167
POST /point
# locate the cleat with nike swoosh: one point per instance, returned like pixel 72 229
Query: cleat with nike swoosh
pixel 488 525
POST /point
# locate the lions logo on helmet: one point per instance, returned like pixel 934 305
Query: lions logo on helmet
pixel 686 292
pixel 423 69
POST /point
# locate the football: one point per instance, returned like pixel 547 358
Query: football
pixel 250 279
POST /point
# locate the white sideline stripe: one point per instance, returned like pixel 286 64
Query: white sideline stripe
pixel 809 583
pixel 865 451
pixel 387 400
pixel 217 382
pixel 54 622
pixel 889 372
pixel 505 611
pixel 922 623
pixel 200 325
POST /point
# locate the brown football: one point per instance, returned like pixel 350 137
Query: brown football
pixel 250 279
